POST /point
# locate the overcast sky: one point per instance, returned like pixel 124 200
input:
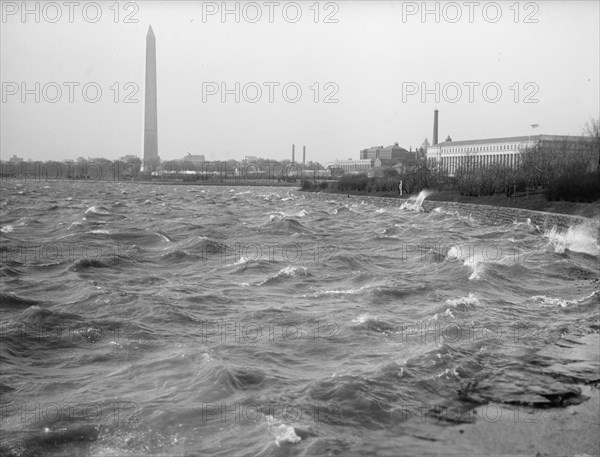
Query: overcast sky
pixel 371 58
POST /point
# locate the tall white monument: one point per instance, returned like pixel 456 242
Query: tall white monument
pixel 151 159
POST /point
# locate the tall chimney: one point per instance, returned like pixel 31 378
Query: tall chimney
pixel 303 155
pixel 293 152
pixel 435 127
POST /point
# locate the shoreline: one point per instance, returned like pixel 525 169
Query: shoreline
pixel 490 214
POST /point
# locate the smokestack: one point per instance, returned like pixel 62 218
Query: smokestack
pixel 435 127
pixel 303 155
pixel 293 152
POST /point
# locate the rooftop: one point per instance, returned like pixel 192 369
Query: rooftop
pixel 511 139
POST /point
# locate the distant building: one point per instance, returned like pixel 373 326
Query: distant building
pixel 354 166
pixel 249 159
pixel 15 159
pixel 393 153
pixel 195 159
pixel 128 158
pixel 451 155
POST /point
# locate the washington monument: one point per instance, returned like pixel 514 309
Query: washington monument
pixel 150 116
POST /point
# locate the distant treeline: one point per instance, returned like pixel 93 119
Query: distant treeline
pixel 100 170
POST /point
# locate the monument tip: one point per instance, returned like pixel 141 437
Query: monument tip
pixel 150 31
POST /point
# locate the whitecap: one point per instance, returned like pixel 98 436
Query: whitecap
pixel 581 238
pixel 320 293
pixel 282 432
pixel 471 300
pixel 416 203
pixel 551 301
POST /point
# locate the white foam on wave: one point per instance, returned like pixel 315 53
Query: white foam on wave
pixel 164 237
pixel 287 272
pixel 281 214
pixel 242 260
pixel 581 238
pixel 320 293
pixel 7 229
pixel 341 209
pixel 471 300
pixel 544 300
pixel 282 432
pixel 475 262
pixel 528 224
pixel 416 203
pixel 361 319
pixel 100 232
pixel 96 210
pixel 292 271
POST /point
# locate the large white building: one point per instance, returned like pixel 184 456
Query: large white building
pixel 450 155
pixel 354 166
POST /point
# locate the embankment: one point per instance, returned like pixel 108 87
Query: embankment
pixel 485 213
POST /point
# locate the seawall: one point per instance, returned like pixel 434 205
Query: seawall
pixel 494 215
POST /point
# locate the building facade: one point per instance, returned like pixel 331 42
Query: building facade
pixel 354 166
pixel 451 155
pixel 391 153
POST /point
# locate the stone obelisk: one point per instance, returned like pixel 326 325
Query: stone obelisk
pixel 150 111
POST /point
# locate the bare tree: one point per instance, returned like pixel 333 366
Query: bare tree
pixel 592 129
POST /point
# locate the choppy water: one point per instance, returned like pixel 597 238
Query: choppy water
pixel 177 320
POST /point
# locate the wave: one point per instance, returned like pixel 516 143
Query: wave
pixel 582 238
pixel 164 236
pixel 341 210
pixel 416 203
pixel 336 292
pixel 475 262
pixel 287 272
pixel 281 215
pixel 100 232
pixel 243 264
pixel 86 264
pixel 197 247
pixel 544 300
pixel 11 300
pixel 464 303
pixel 285 225
pixel 99 210
pixel 368 322
pixel 282 432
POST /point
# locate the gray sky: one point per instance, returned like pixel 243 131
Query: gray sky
pixel 375 57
